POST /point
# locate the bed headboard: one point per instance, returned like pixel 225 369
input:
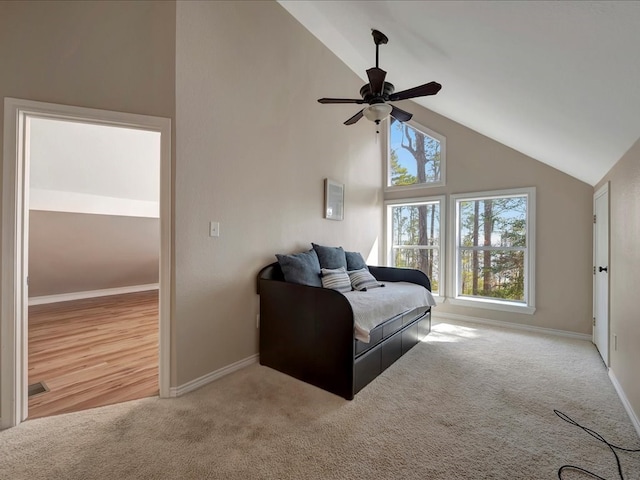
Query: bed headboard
pixel 270 272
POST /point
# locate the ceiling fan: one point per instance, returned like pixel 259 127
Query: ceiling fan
pixel 377 93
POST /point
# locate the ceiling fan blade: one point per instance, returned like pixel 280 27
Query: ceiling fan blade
pixel 355 118
pixel 376 79
pixel 400 114
pixel 430 88
pixel 340 100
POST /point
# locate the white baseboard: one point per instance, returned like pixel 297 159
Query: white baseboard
pixel 65 297
pixel 625 402
pixel 435 315
pixel 210 377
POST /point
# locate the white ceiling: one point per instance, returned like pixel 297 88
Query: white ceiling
pixel 93 159
pixel 95 169
pixel 556 80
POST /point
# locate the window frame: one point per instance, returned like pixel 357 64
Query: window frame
pixel 528 306
pixel 387 167
pixel 388 243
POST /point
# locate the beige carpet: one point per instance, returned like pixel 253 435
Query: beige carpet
pixel 472 402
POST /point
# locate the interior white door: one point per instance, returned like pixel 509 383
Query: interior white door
pixel 601 273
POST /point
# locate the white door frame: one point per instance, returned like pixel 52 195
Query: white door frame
pixel 15 190
pixel 601 323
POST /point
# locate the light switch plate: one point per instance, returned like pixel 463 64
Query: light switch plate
pixel 214 229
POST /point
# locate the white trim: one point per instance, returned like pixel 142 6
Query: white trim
pixel 210 377
pixel 13 327
pixel 12 339
pixel 439 299
pixel 66 297
pixel 529 267
pixel 516 326
pixel 414 189
pixel 443 159
pixel 603 190
pixel 625 401
pixel 489 304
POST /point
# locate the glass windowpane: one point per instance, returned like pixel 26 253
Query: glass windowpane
pixel 495 222
pixel 492 274
pixel 415 238
pixel 416 224
pixel 426 260
pixel 414 157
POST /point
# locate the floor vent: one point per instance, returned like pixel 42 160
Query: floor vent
pixel 37 389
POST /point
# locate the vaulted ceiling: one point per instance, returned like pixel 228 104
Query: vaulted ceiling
pixel 556 80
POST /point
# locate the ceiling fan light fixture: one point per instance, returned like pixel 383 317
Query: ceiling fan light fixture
pixel 377 93
pixel 377 112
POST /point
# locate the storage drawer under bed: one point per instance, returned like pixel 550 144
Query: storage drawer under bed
pixel 377 358
pixel 388 328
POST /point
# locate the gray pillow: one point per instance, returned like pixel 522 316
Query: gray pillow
pixel 330 257
pixel 302 268
pixel 336 279
pixel 355 261
pixel 362 280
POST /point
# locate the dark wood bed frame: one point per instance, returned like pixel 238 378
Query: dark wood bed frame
pixel 308 332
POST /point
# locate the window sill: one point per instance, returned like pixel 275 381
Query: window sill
pixel 413 187
pixel 492 305
pixel 439 299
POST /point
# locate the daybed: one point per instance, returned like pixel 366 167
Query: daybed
pixel 309 333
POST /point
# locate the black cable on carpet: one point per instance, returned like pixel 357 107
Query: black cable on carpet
pixel 598 437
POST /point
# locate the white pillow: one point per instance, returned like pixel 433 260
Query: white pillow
pixel 362 279
pixel 336 279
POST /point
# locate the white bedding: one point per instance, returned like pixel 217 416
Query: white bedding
pixel 376 305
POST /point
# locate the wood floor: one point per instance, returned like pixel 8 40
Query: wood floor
pixel 93 352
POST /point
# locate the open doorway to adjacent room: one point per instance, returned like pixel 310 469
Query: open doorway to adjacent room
pixel 93 264
pixel 86 300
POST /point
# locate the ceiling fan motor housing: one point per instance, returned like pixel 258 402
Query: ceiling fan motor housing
pixel 368 97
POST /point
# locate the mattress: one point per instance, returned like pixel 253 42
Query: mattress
pixel 376 305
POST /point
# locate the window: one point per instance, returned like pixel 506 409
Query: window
pixel 414 237
pixel 494 249
pixel 416 156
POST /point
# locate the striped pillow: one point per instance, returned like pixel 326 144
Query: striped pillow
pixel 362 279
pixel 336 279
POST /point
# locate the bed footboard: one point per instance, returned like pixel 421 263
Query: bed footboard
pixel 307 332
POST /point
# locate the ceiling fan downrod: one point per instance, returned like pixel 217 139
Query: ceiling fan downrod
pixel 379 38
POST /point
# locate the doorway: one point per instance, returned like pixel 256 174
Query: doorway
pixel 92 243
pixel 14 328
pixel 601 272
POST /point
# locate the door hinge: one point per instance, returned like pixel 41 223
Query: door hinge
pixel 594 321
pixel 594 219
pixel 594 269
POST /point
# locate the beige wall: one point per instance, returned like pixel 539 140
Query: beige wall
pixel 115 55
pixel 624 272
pixel 253 148
pixel 75 252
pixel 476 163
pixel 108 55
